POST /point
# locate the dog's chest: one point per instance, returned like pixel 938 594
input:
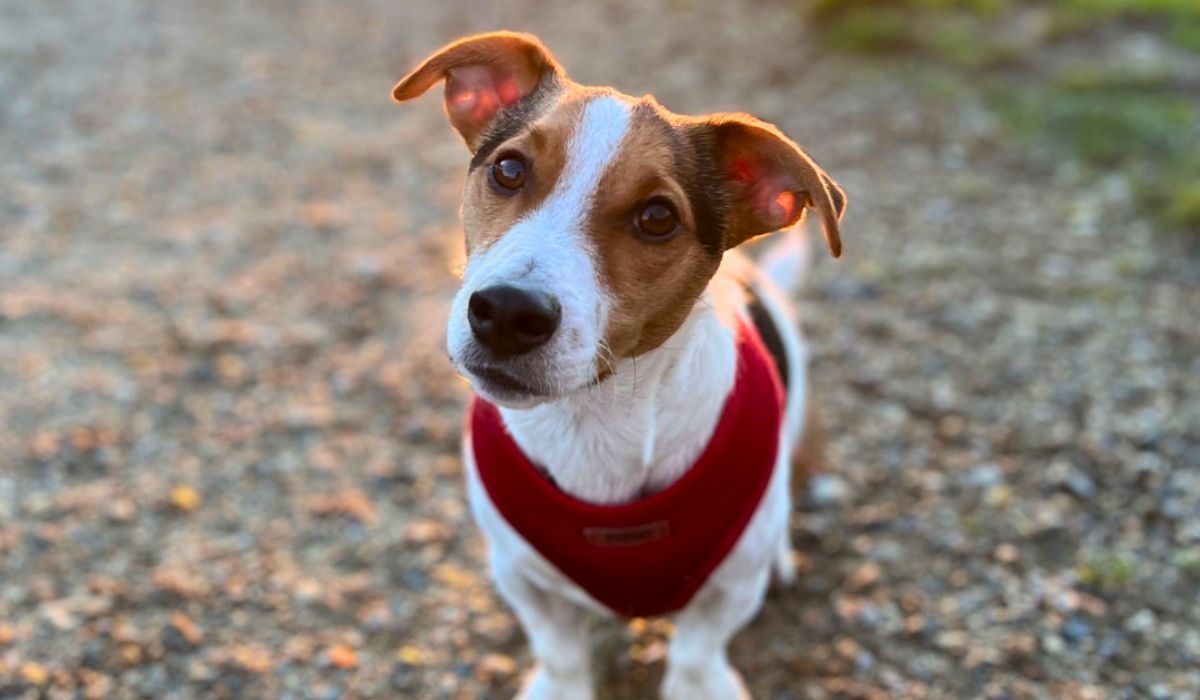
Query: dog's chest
pixel 681 533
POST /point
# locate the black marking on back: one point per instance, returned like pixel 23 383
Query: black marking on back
pixel 769 332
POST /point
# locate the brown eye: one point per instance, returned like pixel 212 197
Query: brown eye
pixel 658 219
pixel 507 174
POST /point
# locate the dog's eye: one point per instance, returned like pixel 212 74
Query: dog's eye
pixel 507 174
pixel 658 219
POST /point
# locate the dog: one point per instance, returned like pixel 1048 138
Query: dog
pixel 640 385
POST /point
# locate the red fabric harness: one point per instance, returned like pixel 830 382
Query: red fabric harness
pixel 648 557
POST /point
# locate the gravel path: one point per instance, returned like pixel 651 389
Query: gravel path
pixel 228 432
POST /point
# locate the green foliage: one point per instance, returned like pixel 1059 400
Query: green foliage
pixel 830 9
pixel 1135 120
pixel 1175 198
pixel 1179 19
pixel 891 27
pixel 1104 9
pixel 964 33
pixel 1188 561
pixel 1186 33
pixel 1107 572
pixel 871 30
pixel 1106 129
pixel 1105 123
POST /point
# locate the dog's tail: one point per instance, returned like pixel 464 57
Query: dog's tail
pixel 787 259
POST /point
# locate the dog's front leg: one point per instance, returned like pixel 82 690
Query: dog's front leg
pixel 698 667
pixel 558 638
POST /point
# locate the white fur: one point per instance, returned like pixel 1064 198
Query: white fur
pixel 549 251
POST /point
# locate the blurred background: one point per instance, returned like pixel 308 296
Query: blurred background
pixel 229 435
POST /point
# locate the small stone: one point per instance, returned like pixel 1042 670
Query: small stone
pixel 410 655
pixel 122 510
pixel 1052 644
pixel 846 648
pixel 825 490
pixel 181 633
pixel 953 640
pixel 983 476
pixel 368 270
pixel 849 289
pixel 1070 478
pixel 1080 484
pixel 1006 553
pixel 34 673
pixel 404 678
pixel 998 495
pixel 184 498
pixel 1075 630
pixel 352 503
pixel 1021 646
pixel 426 530
pixel 343 656
pixel 1141 622
pixel 252 659
pixel 864 577
pixel 130 653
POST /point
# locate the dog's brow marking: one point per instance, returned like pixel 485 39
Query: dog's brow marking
pixel 593 145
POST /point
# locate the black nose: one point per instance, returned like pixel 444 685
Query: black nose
pixel 512 321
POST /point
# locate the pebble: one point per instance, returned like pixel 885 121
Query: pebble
pixel 1052 644
pixel 983 476
pixel 1141 622
pixel 1080 484
pixel 1075 630
pixel 827 490
pixel 495 668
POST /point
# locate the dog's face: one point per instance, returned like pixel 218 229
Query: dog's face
pixel 594 220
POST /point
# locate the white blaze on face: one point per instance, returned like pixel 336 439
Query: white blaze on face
pixel 548 250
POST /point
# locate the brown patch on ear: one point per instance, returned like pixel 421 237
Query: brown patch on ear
pixel 771 181
pixel 484 74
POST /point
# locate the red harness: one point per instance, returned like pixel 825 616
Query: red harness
pixel 648 557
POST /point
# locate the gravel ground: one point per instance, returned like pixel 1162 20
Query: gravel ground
pixel 228 432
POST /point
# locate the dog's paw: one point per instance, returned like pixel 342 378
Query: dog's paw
pixel 716 682
pixel 540 685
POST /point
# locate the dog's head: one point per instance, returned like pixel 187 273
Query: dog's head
pixel 594 220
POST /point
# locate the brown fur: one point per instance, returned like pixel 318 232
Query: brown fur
pixel 653 284
pixel 488 216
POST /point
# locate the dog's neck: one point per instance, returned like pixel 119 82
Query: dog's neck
pixel 642 428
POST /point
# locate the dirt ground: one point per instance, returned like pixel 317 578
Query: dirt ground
pixel 228 430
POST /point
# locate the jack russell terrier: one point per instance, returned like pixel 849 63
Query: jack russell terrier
pixel 640 386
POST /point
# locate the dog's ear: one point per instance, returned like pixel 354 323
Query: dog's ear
pixel 484 74
pixel 771 181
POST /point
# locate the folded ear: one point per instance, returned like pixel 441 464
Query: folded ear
pixel 771 181
pixel 484 74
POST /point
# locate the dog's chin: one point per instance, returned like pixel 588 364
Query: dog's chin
pixel 516 389
pixel 505 389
